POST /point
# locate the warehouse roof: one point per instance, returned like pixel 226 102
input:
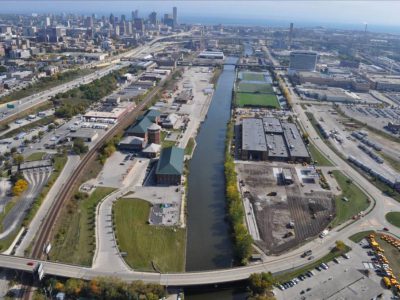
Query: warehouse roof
pixel 140 127
pixel 253 137
pixel 170 162
pixel 152 114
pixel 272 125
pixel 294 140
pixel 276 146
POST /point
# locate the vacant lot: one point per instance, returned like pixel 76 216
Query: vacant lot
pixel 75 239
pixel 249 99
pixel 357 200
pixel 148 247
pixel 262 88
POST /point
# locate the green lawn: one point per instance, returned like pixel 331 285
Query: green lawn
pixel 358 201
pixel 318 157
pixel 147 245
pixel 356 238
pixel 249 99
pixel 393 218
pixel 189 146
pixel 35 156
pixel 75 240
pixel 252 76
pixel 262 88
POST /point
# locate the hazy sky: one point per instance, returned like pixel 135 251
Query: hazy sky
pixel 325 11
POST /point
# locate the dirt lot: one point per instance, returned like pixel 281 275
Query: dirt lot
pixel 276 205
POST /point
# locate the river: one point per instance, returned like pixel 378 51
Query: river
pixel 209 244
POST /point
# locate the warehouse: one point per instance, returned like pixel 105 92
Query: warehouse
pixel 139 129
pixel 295 144
pixel 272 125
pixel 276 147
pixel 86 134
pixel 170 166
pixel 254 146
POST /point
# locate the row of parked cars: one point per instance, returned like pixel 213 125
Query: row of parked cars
pixel 288 284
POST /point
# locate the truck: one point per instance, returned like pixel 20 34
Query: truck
pixel 10 105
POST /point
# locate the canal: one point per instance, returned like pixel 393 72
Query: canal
pixel 209 244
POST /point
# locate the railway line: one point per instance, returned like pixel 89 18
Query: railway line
pixel 45 231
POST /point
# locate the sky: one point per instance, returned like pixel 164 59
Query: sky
pixel 378 12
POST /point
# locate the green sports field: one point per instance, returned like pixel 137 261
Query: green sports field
pixel 252 76
pixel 249 99
pixel 262 88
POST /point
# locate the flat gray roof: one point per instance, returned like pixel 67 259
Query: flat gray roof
pixel 294 140
pixel 253 136
pixel 272 125
pixel 276 146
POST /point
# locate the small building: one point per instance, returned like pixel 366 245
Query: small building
pixel 286 176
pixel 86 134
pixel 132 143
pixel 170 166
pixel 184 96
pixel 170 121
pixel 152 150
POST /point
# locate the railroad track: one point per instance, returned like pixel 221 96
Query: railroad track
pixel 45 230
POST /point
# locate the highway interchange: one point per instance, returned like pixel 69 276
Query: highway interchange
pixel 374 219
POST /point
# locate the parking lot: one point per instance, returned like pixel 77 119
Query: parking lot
pixel 349 278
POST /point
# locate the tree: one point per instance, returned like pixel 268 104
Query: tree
pixel 18 159
pixel 260 284
pixel 340 246
pixel 20 186
pixel 79 146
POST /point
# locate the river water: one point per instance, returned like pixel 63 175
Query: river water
pixel 209 244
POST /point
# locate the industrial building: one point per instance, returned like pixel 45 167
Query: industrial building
pixel 253 140
pixel 211 55
pixel 302 61
pixel 86 134
pixel 269 138
pixel 170 166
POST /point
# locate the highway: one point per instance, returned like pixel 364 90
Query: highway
pixel 36 99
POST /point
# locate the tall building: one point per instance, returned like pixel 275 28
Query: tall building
pixel 89 22
pixel 48 22
pixel 153 18
pixel 175 15
pixel 139 24
pixel 135 14
pixel 290 36
pixel 112 20
pixel 302 61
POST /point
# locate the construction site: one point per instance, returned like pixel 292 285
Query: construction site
pixel 285 204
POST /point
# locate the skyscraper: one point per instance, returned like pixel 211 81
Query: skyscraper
pixel 175 15
pixel 153 18
pixel 290 36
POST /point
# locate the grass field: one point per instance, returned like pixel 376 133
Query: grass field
pixel 148 245
pixel 318 157
pixel 358 201
pixel 393 218
pixel 75 239
pixel 262 88
pixel 35 156
pixel 248 99
pixel 356 238
pixel 252 76
pixel 189 146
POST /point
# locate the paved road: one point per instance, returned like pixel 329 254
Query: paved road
pixel 14 217
pixel 71 164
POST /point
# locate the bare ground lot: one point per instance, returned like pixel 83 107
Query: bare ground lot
pixel 276 205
